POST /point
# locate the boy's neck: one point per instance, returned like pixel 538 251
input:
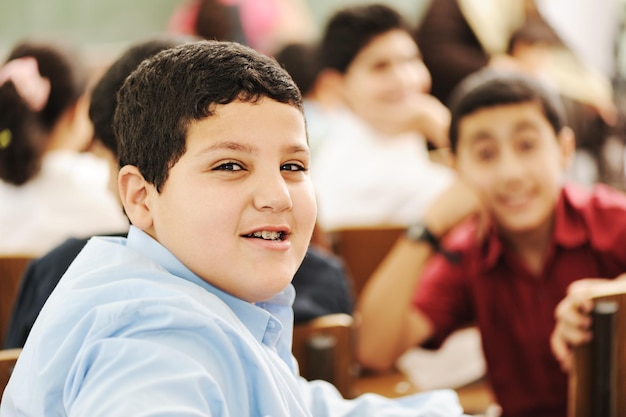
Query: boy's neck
pixel 531 247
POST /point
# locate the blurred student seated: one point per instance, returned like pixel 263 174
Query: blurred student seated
pixel 459 37
pixel 319 97
pixel 372 168
pixel 500 247
pixel 50 188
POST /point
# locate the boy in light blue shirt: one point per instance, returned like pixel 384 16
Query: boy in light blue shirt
pixel 191 314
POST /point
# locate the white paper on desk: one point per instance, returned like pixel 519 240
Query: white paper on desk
pixel 457 362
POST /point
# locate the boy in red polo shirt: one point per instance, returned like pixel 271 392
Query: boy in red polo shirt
pixel 516 236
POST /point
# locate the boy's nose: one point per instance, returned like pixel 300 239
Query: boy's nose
pixel 412 77
pixel 511 167
pixel 272 193
pixel 424 79
pixel 406 76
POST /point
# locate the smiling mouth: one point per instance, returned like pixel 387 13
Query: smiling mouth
pixel 267 235
pixel 517 201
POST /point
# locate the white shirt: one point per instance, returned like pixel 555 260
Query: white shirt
pixel 363 178
pixel 68 198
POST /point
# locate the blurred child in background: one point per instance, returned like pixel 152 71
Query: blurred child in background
pixel 49 187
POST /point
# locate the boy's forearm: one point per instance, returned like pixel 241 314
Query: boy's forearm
pixel 387 324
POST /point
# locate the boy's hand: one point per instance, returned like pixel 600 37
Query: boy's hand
pixel 573 320
pixel 454 205
pixel 430 118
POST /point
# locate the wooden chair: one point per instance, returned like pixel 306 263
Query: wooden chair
pixel 362 249
pixel 11 270
pixel 8 357
pixel 598 376
pixel 324 348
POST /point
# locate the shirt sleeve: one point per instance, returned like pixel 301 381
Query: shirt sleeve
pixel 137 377
pixel 605 220
pixel 121 377
pixel 325 401
pixel 443 296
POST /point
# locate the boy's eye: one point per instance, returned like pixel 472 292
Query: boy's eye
pixel 526 144
pixel 292 167
pixel 229 166
pixel 381 66
pixel 486 154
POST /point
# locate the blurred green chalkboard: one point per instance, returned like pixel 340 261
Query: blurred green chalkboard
pixel 86 22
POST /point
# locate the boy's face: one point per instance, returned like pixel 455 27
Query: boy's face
pixel 512 156
pixel 238 208
pixel 384 79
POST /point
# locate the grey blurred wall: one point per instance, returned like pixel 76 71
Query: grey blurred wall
pixel 105 26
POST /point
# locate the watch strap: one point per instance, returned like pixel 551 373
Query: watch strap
pixel 419 232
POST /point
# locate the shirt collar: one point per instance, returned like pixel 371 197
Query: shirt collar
pixel 266 321
pixel 569 230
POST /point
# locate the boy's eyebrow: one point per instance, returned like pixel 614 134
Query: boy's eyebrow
pixel 523 125
pixel 230 145
pixel 480 136
pixel 240 147
pixel 296 149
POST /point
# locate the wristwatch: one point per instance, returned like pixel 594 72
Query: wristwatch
pixel 418 232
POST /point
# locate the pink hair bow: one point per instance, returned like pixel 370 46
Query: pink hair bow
pixel 30 85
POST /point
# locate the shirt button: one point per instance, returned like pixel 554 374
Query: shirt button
pixel 271 325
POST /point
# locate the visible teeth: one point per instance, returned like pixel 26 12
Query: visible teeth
pixel 267 235
pixel 516 200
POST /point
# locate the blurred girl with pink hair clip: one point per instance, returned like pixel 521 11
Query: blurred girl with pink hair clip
pixel 50 188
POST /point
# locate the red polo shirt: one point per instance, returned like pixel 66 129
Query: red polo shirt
pixel 513 309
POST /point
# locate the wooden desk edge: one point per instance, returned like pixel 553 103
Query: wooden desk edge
pixel 474 397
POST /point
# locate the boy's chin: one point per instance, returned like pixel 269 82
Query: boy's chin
pixel 271 290
pixel 520 227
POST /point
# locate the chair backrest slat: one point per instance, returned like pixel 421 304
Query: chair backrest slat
pixel 324 348
pixel 11 271
pixel 362 250
pixel 598 377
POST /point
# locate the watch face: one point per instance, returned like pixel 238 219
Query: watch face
pixel 416 232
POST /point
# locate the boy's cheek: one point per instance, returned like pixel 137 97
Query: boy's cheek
pixel 484 190
pixel 478 178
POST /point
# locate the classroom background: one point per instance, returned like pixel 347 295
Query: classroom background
pixel 106 27
pixel 103 29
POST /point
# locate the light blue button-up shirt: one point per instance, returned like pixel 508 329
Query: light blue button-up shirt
pixel 130 331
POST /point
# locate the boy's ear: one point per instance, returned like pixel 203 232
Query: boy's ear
pixel 567 145
pixel 134 192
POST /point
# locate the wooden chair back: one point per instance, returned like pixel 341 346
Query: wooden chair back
pixel 324 348
pixel 362 250
pixel 8 357
pixel 11 271
pixel 598 377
